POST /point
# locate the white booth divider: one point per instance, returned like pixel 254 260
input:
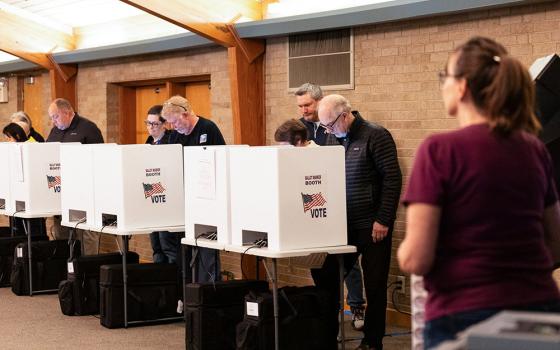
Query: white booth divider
pixel 5 202
pixel 138 186
pixel 35 177
pixel 295 197
pixel 77 195
pixel 207 192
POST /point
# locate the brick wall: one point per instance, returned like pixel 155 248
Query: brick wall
pixel 396 82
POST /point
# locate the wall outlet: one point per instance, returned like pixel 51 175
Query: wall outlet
pixel 401 284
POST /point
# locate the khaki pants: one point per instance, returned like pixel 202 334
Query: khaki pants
pixel 88 239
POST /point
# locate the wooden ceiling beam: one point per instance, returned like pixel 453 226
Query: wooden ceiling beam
pixel 62 88
pixel 247 98
pixel 30 40
pixel 250 48
pixel 185 15
pixel 200 17
pixel 66 71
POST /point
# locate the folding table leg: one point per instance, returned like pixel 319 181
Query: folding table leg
pixel 340 259
pixel 27 229
pixel 184 275
pixel 276 306
pixel 125 279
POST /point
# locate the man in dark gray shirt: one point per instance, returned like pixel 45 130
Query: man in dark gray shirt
pixel 308 97
pixel 70 127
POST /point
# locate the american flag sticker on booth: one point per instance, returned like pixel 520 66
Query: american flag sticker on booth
pixel 151 189
pixel 53 181
pixel 311 201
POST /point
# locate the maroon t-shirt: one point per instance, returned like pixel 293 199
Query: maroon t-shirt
pixel 492 191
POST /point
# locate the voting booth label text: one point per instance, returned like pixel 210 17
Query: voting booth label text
pixel 154 191
pixel 314 202
pixel 53 182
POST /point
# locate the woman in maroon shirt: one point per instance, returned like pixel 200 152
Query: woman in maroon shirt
pixel 483 217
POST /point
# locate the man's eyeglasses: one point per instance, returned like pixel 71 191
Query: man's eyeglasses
pixel 330 125
pixel 174 104
pixel 152 124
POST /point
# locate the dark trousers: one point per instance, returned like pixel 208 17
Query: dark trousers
pixel 166 246
pixel 206 262
pixel 38 226
pixel 376 258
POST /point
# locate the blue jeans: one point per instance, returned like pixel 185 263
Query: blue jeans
pixel 165 246
pixel 446 327
pixel 355 286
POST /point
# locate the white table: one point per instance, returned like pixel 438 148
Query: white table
pixel 126 235
pixel 274 255
pixel 27 228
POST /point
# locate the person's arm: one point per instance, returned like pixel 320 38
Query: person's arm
pixel 417 252
pixel 386 161
pixel 551 221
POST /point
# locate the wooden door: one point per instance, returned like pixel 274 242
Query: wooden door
pixel 146 97
pixel 198 94
pixel 33 103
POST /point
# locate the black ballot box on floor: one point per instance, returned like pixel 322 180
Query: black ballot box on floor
pixel 153 292
pixel 7 248
pixel 78 294
pixel 303 320
pixel 5 231
pixel 48 265
pixel 213 310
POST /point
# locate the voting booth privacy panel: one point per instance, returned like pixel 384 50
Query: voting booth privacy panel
pixel 293 196
pixel 77 195
pixel 138 186
pixel 5 178
pixel 207 191
pixel 35 182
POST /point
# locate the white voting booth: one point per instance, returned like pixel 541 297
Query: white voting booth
pixel 138 186
pixel 34 177
pixel 207 191
pixel 5 203
pixel 295 197
pixel 77 195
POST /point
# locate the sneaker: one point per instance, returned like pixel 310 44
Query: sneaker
pixel 179 306
pixel 357 317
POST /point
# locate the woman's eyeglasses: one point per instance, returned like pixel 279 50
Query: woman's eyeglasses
pixel 442 75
